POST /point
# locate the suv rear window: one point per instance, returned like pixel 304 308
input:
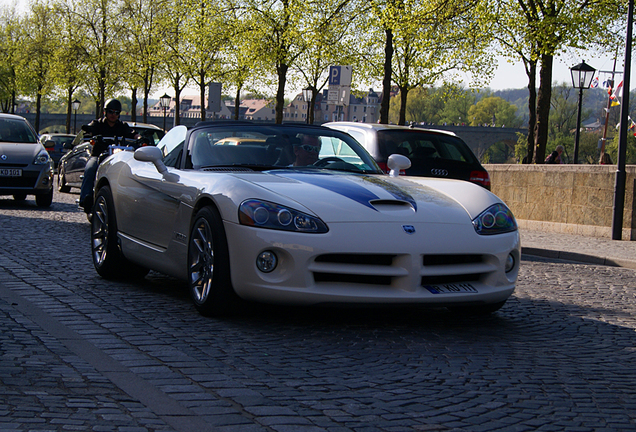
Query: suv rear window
pixel 418 145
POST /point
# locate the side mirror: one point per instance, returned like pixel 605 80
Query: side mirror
pixel 396 163
pixel 49 144
pixel 151 154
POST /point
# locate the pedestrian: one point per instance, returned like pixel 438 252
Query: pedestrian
pixel 555 156
pixel 605 159
pixel 107 126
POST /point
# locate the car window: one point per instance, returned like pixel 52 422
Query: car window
pixel 16 131
pixel 420 145
pixel 152 134
pixel 275 146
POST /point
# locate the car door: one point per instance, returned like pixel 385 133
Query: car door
pixel 148 203
pixel 76 162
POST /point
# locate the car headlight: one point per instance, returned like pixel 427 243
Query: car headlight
pixel 264 214
pixel 496 219
pixel 42 158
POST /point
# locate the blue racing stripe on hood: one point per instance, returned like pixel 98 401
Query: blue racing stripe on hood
pixel 350 188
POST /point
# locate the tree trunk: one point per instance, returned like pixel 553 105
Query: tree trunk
pixel 133 108
pixel 202 95
pixel 281 70
pixel 177 98
pixel 386 81
pixel 543 107
pixel 69 110
pixel 237 103
pixel 38 107
pixel 531 70
pixel 312 105
pixel 404 92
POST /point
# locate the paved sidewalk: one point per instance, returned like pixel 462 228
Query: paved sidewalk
pixel 593 250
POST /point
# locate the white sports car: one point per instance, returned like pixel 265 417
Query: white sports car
pixel 298 214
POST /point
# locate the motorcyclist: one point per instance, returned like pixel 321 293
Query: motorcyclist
pixel 107 126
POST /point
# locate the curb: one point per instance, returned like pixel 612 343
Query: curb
pixel 579 257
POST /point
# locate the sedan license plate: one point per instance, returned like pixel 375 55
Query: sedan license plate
pixel 458 288
pixel 10 172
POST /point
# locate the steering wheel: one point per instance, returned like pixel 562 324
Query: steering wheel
pixel 326 161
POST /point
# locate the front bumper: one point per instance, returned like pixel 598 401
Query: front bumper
pixel 31 182
pixel 375 264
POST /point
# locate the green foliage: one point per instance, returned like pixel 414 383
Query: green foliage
pixel 493 111
pixel 630 154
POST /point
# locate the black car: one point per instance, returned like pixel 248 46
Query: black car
pixel 54 144
pixel 433 153
pixel 72 164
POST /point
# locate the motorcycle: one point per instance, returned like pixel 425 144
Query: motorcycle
pixel 111 146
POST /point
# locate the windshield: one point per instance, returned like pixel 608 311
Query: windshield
pixel 15 130
pixel 275 146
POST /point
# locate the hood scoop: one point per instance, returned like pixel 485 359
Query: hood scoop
pixel 396 207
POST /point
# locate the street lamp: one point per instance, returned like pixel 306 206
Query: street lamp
pixel 164 102
pixel 582 75
pixel 307 94
pixel 76 104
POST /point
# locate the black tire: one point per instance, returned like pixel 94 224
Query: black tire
pixel 19 196
pixel 108 259
pixel 44 200
pixel 61 183
pixel 209 266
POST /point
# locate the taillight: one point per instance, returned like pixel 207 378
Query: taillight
pixel 384 167
pixel 481 178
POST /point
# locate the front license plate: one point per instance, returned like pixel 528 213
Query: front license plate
pixel 10 172
pixel 451 288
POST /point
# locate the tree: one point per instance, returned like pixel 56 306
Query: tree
pixel 328 41
pixel 143 48
pixel 542 30
pixel 205 37
pixel 37 54
pixel 11 41
pixel 174 63
pixel 67 74
pixel 277 36
pixel 493 111
pixel 101 47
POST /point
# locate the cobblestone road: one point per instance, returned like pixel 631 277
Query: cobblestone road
pixel 81 353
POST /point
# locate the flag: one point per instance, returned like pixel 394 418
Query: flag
pixel 594 83
pixel 617 91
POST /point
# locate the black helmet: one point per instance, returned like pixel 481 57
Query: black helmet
pixel 113 104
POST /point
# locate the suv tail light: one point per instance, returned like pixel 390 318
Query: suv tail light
pixel 384 167
pixel 481 178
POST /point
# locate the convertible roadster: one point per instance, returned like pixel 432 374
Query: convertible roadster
pixel 298 214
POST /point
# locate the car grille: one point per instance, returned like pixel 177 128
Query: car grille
pixel 384 269
pixel 12 165
pixel 27 180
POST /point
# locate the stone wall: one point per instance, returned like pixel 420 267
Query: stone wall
pixel 577 199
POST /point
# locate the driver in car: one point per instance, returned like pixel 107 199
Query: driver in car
pixel 107 126
pixel 307 151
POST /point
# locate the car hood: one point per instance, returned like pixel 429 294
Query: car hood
pixel 19 153
pixel 345 197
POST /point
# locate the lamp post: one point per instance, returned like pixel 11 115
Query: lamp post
pixel 582 75
pixel 76 104
pixel 307 94
pixel 621 174
pixel 164 102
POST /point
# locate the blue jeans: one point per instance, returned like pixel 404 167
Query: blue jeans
pixel 90 171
